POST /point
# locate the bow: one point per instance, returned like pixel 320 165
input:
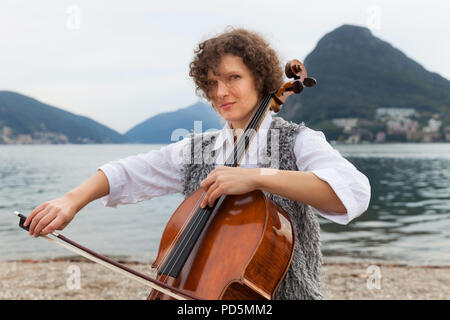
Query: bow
pixel 71 245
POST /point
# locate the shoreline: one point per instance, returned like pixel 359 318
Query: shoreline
pixel 326 261
pixel 79 279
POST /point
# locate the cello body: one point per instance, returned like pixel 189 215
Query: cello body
pixel 243 252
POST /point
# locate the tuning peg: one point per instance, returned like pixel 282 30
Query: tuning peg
pixel 309 82
pixel 297 87
pixel 292 69
pixel 288 71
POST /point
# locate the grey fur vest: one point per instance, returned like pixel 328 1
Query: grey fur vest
pixel 302 281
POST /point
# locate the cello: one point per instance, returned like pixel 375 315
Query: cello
pixel 240 248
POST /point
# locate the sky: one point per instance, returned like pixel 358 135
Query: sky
pixel 121 62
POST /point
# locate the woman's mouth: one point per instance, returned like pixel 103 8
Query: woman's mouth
pixel 226 105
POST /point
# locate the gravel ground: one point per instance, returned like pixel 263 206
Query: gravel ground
pixel 80 280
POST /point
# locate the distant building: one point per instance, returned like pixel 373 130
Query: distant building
pixel 431 137
pixel 414 136
pixel 354 138
pixel 447 133
pixel 24 139
pixel 402 126
pixel 347 123
pixel 433 125
pixel 394 113
pixel 380 137
pixel 365 122
pixel 6 131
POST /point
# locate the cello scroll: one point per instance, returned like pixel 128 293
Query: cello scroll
pixel 296 70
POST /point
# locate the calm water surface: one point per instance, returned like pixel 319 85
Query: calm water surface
pixel 408 219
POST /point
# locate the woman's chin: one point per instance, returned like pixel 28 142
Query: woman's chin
pixel 228 117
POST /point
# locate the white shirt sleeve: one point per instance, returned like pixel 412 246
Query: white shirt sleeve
pixel 314 154
pixel 144 176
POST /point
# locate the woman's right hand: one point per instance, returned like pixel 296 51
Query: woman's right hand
pixel 52 215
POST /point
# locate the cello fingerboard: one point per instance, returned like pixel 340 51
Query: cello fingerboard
pixel 178 256
pixel 250 131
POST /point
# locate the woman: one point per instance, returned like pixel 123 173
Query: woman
pixel 233 71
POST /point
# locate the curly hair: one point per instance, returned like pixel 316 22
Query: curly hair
pixel 255 52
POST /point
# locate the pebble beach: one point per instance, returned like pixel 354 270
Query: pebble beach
pixel 69 279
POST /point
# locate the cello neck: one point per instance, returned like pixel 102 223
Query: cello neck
pixel 241 146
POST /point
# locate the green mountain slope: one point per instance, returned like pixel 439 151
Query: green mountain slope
pixel 30 119
pixel 171 126
pixel 358 73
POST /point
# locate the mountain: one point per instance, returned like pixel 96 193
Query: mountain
pixel 357 73
pixel 160 128
pixel 27 120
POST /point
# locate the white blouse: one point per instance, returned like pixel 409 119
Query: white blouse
pixel 159 172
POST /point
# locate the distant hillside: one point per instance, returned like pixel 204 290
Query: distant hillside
pixel 26 120
pixel 159 129
pixel 358 73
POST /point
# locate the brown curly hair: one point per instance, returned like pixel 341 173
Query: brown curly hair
pixel 256 53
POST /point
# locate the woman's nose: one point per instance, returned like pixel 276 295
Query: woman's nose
pixel 222 89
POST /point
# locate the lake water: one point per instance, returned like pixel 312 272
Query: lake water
pixel 408 220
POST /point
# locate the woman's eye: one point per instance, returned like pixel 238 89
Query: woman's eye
pixel 235 76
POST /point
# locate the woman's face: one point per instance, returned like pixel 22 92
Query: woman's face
pixel 232 91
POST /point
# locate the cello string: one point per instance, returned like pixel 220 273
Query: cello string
pixel 180 232
pixel 241 147
pixel 190 230
pixel 261 110
pixel 254 119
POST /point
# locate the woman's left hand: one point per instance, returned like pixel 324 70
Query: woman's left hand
pixel 228 180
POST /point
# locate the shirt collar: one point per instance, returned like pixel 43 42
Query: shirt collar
pixel 226 134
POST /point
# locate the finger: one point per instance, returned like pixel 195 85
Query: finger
pixel 52 226
pixel 37 218
pixel 205 200
pixel 33 213
pixel 212 191
pixel 44 222
pixel 202 200
pixel 215 194
pixel 209 180
pixel 205 183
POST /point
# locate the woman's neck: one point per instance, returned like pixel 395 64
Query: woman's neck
pixel 240 125
pixel 238 129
